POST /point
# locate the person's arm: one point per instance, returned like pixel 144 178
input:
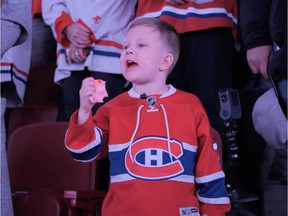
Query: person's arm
pixel 10 33
pixel 78 35
pixel 86 92
pixel 56 15
pixel 15 23
pixel 258 59
pixel 255 34
pixel 254 23
pixel 85 142
pixel 209 177
pixel 85 138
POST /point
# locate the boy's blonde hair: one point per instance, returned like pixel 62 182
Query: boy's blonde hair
pixel 167 32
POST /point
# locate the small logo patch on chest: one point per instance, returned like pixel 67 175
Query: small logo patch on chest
pixel 189 211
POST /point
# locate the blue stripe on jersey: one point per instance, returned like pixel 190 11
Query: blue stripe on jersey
pixel 89 154
pixel 195 15
pixel 188 162
pixel 105 53
pixel 14 75
pixel 117 162
pixel 98 52
pixel 5 71
pixel 19 78
pixel 180 16
pixel 213 189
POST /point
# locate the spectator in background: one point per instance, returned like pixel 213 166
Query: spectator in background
pixel 15 62
pixel 15 50
pixel 13 28
pixel 263 28
pixel 261 24
pixel 207 31
pixel 89 42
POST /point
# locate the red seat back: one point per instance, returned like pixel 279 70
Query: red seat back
pixel 218 140
pixel 37 157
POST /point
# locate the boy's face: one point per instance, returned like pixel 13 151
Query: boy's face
pixel 142 55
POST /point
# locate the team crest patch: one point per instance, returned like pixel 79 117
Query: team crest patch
pixel 150 158
pixel 189 211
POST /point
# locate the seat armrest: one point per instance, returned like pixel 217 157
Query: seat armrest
pixel 88 194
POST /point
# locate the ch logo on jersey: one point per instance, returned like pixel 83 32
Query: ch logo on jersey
pixel 151 158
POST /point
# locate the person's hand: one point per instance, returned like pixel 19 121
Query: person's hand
pixel 100 91
pixel 78 35
pixel 87 90
pixel 258 59
pixel 75 54
pixel 177 2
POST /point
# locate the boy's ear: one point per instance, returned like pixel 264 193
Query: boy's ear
pixel 167 62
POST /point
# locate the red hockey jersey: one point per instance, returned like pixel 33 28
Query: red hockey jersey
pixel 193 16
pixel 163 160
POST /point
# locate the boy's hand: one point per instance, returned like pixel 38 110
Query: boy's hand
pixel 87 90
pixel 100 92
pixel 92 92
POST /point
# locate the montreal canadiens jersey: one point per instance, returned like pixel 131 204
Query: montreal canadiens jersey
pixel 162 155
pixel 193 16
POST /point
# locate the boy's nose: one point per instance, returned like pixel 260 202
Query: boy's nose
pixel 129 51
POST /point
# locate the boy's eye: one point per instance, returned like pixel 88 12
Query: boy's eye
pixel 140 45
pixel 125 47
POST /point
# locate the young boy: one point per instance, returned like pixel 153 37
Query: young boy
pixel 158 139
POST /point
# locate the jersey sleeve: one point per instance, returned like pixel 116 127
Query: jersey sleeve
pixel 56 15
pixel 209 177
pixel 85 142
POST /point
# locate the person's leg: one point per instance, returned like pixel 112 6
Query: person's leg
pixel 208 67
pixel 43 44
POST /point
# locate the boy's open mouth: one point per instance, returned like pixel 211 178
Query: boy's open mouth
pixel 130 63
